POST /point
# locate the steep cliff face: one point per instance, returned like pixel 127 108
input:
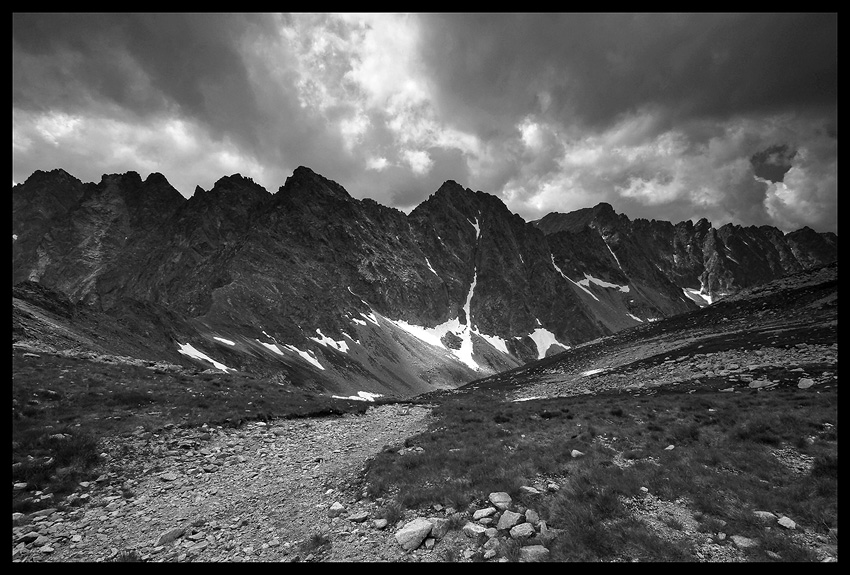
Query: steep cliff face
pixel 36 203
pixel 95 234
pixel 313 287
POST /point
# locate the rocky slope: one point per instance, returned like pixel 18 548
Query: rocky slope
pixel 311 286
pixel 263 492
pixel 750 340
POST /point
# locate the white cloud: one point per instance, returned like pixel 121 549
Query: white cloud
pixel 365 71
pixel 55 127
pixel 418 160
pixel 377 164
pixel 353 129
pixel 809 189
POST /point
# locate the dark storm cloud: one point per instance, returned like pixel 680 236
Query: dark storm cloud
pixel 493 68
pixel 142 63
pixel 773 163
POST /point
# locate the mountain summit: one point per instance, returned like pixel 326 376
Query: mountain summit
pixel 314 288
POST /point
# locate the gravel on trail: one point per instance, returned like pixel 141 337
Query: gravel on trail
pixel 262 492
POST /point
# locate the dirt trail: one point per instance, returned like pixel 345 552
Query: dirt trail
pixel 257 493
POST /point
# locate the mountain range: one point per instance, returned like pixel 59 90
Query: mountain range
pixel 313 288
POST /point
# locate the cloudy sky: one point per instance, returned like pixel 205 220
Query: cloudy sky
pixel 666 116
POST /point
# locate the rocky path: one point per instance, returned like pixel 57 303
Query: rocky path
pixel 258 493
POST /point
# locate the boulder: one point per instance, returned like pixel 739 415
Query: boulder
pixel 787 523
pixel 522 531
pixel 336 509
pixel 440 526
pixel 474 531
pixel 765 517
pixel 481 513
pixel 743 542
pixel 413 533
pixel 509 519
pixel 359 517
pixel 500 500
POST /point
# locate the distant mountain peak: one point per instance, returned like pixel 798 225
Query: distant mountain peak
pixel 129 176
pixel 56 175
pixel 307 183
pixel 238 184
pixel 450 186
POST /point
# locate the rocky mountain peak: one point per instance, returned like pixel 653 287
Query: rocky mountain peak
pixel 603 208
pixel 702 226
pixel 129 178
pixel 450 201
pixel 449 187
pixel 156 179
pixel 233 189
pixel 305 184
pixel 602 215
pixel 57 176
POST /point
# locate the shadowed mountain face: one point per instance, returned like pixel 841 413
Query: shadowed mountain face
pixel 312 287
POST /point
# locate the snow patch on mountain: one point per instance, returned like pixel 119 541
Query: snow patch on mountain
pixel 271 346
pixel 476 226
pixel 430 335
pixel 613 254
pixel 188 349
pixel 434 335
pixel 430 267
pixel 529 398
pixel 543 339
pixel 329 342
pixel 357 341
pixel 589 278
pixel 361 396
pixel 221 339
pixel 700 298
pixel 634 317
pixel 307 355
pixel 590 293
pixel 592 371
pixel 371 317
pixel 495 341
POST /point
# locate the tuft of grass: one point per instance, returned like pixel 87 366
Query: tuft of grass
pixel 127 556
pixel 392 512
pixel 450 555
pixel 457 521
pixel 825 466
pixel 674 523
pixel 315 542
pixel 510 550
